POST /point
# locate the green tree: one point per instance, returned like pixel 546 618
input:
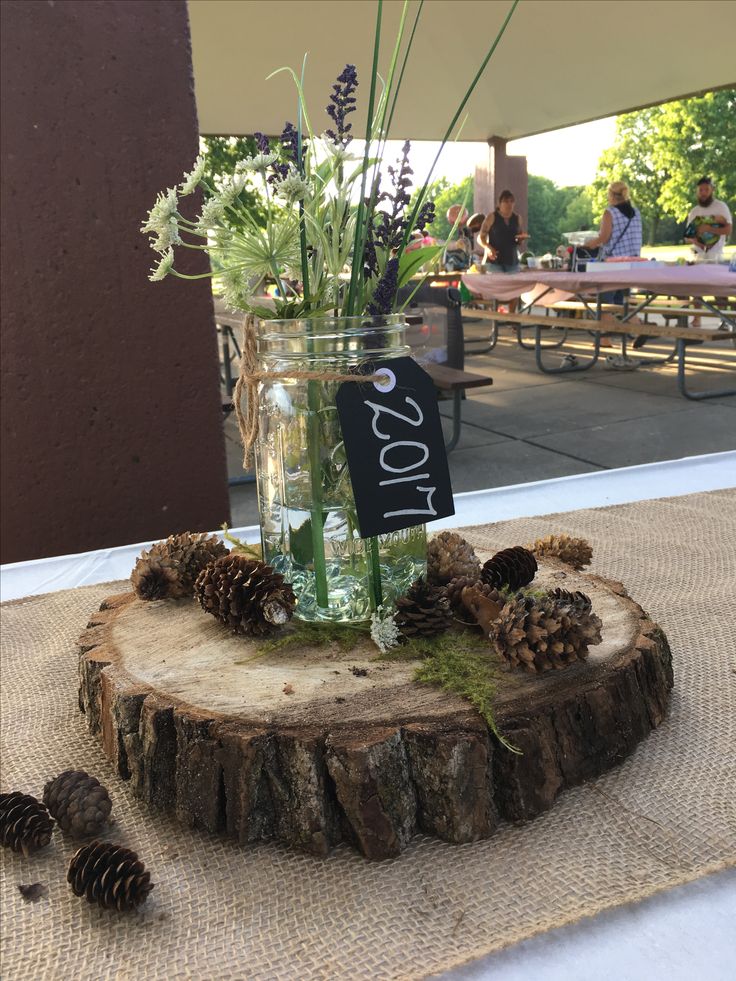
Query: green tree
pixel 444 194
pixel 696 137
pixel 661 152
pixel 544 214
pixel 578 214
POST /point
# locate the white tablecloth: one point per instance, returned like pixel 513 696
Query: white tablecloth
pixel 714 471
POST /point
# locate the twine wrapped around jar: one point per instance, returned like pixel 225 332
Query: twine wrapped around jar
pixel 249 378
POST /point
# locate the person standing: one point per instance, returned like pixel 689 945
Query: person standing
pixel 709 224
pixel 500 234
pixel 620 230
pixel 619 235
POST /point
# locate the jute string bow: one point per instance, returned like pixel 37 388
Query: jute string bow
pixel 245 396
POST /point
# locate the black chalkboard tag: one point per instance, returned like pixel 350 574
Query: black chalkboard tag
pixel 395 448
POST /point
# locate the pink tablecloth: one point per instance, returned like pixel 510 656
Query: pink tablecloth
pixel 682 281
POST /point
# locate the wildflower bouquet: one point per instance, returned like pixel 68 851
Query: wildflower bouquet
pixel 334 243
pixel 334 239
pixel 308 245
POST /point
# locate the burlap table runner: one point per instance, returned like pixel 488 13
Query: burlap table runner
pixel 666 816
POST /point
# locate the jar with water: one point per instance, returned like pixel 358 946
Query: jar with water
pixel 309 527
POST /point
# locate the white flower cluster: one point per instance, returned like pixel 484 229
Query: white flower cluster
pixel 340 154
pixel 163 221
pixel 191 180
pixel 258 164
pixel 235 291
pixel 384 632
pixel 231 187
pixel 213 211
pixel 293 187
pixel 162 270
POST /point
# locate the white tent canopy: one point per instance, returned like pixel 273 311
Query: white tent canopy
pixel 560 62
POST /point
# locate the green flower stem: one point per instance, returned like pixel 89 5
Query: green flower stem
pixel 315 476
pixel 374 578
pixel 313 404
pixel 375 574
pixel 302 225
pixel 179 275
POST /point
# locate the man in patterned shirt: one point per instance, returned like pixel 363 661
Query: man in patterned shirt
pixel 709 224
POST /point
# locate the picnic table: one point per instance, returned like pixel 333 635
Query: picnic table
pixel 712 287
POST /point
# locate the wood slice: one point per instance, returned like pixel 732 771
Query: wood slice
pixel 318 746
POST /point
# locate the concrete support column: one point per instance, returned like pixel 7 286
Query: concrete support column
pixel 112 419
pixel 500 172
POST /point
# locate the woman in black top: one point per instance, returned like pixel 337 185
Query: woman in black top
pixel 501 233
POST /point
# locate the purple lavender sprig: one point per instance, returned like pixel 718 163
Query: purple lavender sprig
pixel 289 145
pixel 278 169
pixel 342 102
pixel 394 224
pixel 385 292
pixel 425 217
pixel 370 256
pixel 262 143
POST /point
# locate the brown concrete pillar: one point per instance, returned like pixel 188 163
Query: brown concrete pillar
pixel 498 173
pixel 111 422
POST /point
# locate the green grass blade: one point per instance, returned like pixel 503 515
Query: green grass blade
pixel 450 128
pixel 300 92
pixel 403 68
pixel 357 249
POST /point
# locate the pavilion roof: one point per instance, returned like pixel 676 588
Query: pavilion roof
pixel 560 62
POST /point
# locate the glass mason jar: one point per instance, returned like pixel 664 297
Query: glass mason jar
pixel 309 527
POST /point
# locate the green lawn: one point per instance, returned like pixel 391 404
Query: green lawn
pixel 669 253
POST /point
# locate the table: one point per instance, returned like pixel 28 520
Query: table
pixel 714 287
pixel 682 933
pixel 683 281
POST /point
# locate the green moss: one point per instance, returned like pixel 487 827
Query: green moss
pixel 300 633
pixel 459 661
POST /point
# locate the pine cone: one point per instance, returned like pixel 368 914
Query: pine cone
pixel 511 568
pixel 423 610
pixel 450 556
pixel 169 569
pixel 540 634
pixel 580 602
pixel 25 824
pixel 245 594
pixel 79 803
pixel 454 590
pixel 575 552
pixel 483 603
pixel 109 875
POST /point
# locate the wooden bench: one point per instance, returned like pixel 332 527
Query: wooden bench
pixel 454 381
pixel 681 335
